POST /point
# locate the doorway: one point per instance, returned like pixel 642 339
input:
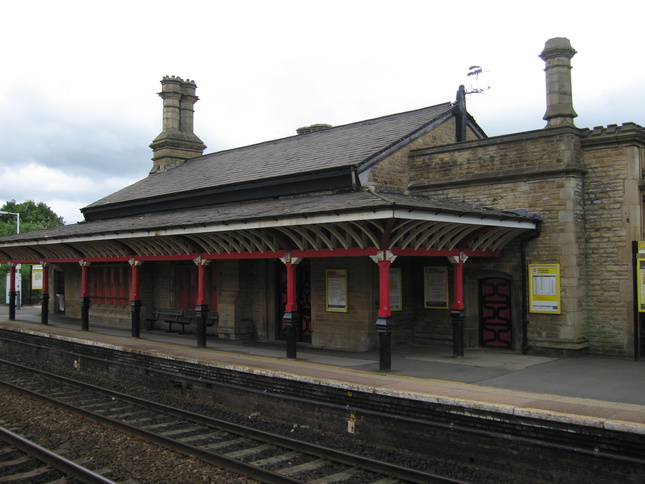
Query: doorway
pixel 495 321
pixel 59 292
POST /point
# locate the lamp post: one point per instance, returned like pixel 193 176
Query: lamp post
pixel 13 294
pixel 17 219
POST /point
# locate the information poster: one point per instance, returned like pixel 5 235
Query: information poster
pixel 337 290
pixel 37 277
pixel 435 287
pixel 640 280
pixel 544 288
pixel 396 293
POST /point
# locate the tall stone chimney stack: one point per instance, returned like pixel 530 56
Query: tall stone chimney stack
pixel 557 54
pixel 177 142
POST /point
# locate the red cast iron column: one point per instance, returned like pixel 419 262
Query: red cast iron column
pixel 202 303
pixel 135 298
pixel 457 309
pixel 384 259
pixel 85 296
pixel 291 317
pixel 44 308
pixel 12 291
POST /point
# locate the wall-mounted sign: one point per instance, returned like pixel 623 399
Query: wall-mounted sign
pixel 640 284
pixel 337 290
pixel 37 277
pixel 435 287
pixel 396 292
pixel 544 288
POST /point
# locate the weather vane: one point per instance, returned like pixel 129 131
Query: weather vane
pixel 476 71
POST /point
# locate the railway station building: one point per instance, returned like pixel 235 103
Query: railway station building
pixel 412 228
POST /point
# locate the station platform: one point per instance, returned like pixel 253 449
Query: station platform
pixel 590 391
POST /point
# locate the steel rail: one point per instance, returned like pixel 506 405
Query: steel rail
pixel 52 459
pixel 356 461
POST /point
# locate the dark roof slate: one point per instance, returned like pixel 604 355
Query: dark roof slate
pixel 348 145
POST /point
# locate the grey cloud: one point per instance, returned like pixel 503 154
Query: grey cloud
pixel 84 142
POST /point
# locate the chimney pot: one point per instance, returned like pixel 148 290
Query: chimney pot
pixel 177 142
pixel 313 128
pixel 557 55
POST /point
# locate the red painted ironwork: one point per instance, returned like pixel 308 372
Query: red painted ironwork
pixel 458 286
pixel 292 302
pixel 135 281
pixel 85 290
pixel 384 288
pixel 45 289
pixel 201 284
pixel 12 277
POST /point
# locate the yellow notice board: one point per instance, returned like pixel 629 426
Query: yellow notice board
pixel 640 281
pixel 544 288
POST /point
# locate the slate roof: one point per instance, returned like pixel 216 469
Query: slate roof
pixel 302 207
pixel 355 145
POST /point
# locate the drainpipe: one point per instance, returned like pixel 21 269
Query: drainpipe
pixel 525 295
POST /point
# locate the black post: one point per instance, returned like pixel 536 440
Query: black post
pixel 85 313
pixel 384 330
pixel 637 313
pixel 12 305
pixel 202 310
pixel 44 310
pixel 135 310
pixel 291 320
pixel 457 318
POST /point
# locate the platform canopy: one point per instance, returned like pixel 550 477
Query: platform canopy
pixel 353 223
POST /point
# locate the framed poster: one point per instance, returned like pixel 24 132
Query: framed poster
pixel 396 293
pixel 435 287
pixel 37 277
pixel 544 288
pixel 337 290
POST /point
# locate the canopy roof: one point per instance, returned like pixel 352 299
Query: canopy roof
pixel 323 224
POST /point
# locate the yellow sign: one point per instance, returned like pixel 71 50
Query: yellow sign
pixel 640 281
pixel 641 246
pixel 544 288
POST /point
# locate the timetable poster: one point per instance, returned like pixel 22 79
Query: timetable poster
pixel 337 290
pixel 435 287
pixel 544 282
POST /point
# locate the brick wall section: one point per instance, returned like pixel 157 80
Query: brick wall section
pixel 541 171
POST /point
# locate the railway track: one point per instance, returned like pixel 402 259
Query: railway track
pixel 24 461
pixel 260 455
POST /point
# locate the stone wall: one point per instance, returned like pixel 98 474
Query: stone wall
pixel 394 171
pixel 539 171
pixel 353 330
pixel 612 201
pixel 585 186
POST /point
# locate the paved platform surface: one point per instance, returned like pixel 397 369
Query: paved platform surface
pixel 598 392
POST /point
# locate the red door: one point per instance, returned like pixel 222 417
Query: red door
pixel 495 313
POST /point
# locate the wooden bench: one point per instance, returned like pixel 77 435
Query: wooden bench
pixel 160 315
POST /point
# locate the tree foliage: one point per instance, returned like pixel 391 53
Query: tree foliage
pixel 33 216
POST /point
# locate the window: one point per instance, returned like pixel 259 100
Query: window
pixel 110 284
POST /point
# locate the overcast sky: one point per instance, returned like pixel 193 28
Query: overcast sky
pixel 78 102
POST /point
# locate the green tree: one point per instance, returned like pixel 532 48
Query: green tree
pixel 33 216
